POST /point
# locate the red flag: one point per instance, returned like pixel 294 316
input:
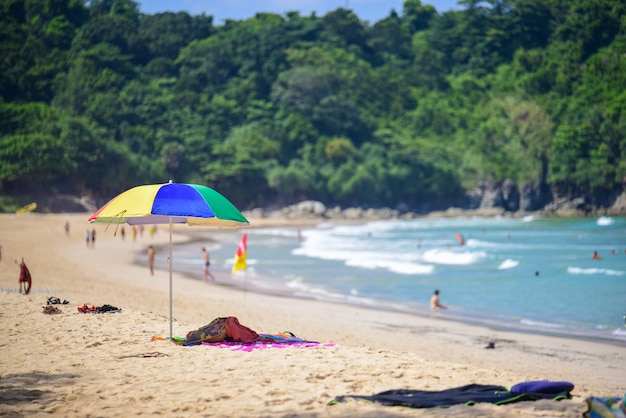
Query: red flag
pixel 241 254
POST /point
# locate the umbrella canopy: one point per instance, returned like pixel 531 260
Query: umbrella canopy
pixel 177 203
pixel 170 203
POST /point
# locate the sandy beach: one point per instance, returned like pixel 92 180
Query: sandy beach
pixel 106 365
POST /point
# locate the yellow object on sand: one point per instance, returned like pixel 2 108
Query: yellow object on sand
pixel 26 209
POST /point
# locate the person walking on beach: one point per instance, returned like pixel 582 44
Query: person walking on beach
pixel 151 259
pixel 25 279
pixel 435 304
pixel 93 238
pixel 207 263
pixel 87 237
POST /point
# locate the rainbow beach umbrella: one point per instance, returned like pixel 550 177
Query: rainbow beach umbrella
pixel 170 203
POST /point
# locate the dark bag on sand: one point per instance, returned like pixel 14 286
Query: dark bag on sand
pixel 211 333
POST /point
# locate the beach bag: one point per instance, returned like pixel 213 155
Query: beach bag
pixel 240 333
pixel 214 332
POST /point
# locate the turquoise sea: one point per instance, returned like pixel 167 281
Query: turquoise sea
pixel 528 274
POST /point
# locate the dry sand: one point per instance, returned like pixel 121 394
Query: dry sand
pixel 106 365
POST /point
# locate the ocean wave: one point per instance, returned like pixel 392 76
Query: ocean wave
pixel 400 267
pixel 279 232
pixel 620 332
pixel 605 220
pixel 300 287
pixel 508 264
pixel 475 243
pixel 608 272
pixel 528 218
pixel 400 263
pixel 540 324
pixel 452 257
pixel 231 261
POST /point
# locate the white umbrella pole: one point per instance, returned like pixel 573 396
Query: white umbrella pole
pixel 171 336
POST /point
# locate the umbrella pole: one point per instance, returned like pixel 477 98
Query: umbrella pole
pixel 171 335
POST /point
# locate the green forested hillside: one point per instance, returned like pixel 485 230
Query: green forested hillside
pixel 415 109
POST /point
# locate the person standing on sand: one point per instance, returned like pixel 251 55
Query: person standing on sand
pixel 151 259
pixel 25 279
pixel 207 263
pixel 435 304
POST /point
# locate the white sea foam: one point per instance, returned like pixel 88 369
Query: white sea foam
pixel 605 220
pixel 393 266
pixel 297 284
pixel 475 243
pixel 437 256
pixel 356 248
pixel 539 324
pixel 528 218
pixel 300 287
pixel 508 264
pixel 620 332
pixel 397 263
pixel 278 232
pixel 608 272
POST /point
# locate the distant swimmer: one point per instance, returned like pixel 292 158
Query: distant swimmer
pixel 596 256
pixel 435 304
pixel 459 238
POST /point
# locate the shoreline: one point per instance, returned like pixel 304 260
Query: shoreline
pixel 416 312
pixel 107 365
pixel 225 280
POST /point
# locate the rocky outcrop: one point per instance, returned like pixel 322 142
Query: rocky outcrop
pixel 532 197
pixel 568 207
pixel 618 207
pixel 529 197
pixel 484 201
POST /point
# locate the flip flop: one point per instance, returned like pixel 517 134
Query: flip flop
pixel 53 301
